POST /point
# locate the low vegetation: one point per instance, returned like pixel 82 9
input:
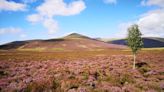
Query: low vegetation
pixel 85 71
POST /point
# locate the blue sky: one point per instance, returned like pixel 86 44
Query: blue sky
pixel 44 19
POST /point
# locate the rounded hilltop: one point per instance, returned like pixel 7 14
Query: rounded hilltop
pixel 75 35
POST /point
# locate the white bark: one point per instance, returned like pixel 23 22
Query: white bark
pixel 134 62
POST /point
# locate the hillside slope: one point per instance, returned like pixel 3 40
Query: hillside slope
pixel 149 42
pixel 73 41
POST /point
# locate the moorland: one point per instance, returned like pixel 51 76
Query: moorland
pixel 79 64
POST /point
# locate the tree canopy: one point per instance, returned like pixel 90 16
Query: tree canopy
pixel 134 38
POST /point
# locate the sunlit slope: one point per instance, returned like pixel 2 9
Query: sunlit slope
pixel 72 41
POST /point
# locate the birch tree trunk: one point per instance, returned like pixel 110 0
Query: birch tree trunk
pixel 134 62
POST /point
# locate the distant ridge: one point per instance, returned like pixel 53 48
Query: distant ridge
pixel 149 42
pixel 70 42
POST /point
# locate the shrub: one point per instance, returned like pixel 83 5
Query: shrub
pixel 144 69
pixel 99 76
pixel 71 76
pixel 85 75
pixel 40 86
pixel 28 88
pixel 56 85
pixel 123 79
pixel 34 87
pixel 3 73
pixel 73 86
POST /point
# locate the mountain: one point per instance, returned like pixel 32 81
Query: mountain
pixel 75 35
pixel 72 41
pixel 149 42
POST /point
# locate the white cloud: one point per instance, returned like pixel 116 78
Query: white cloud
pixel 13 31
pixel 159 3
pixel 23 35
pixel 122 27
pixel 11 6
pixel 51 25
pixel 34 18
pixel 150 23
pixel 110 1
pixel 50 8
pixel 10 30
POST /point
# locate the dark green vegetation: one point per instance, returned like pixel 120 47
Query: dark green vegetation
pixel 134 39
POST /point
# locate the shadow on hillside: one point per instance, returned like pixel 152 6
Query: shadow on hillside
pixel 13 45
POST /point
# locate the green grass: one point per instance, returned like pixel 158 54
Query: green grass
pixel 75 38
pixel 110 39
pixel 57 49
pixel 147 49
pixel 40 49
pixel 32 49
pixel 162 48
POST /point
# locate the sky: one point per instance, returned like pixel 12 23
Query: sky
pixel 47 19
